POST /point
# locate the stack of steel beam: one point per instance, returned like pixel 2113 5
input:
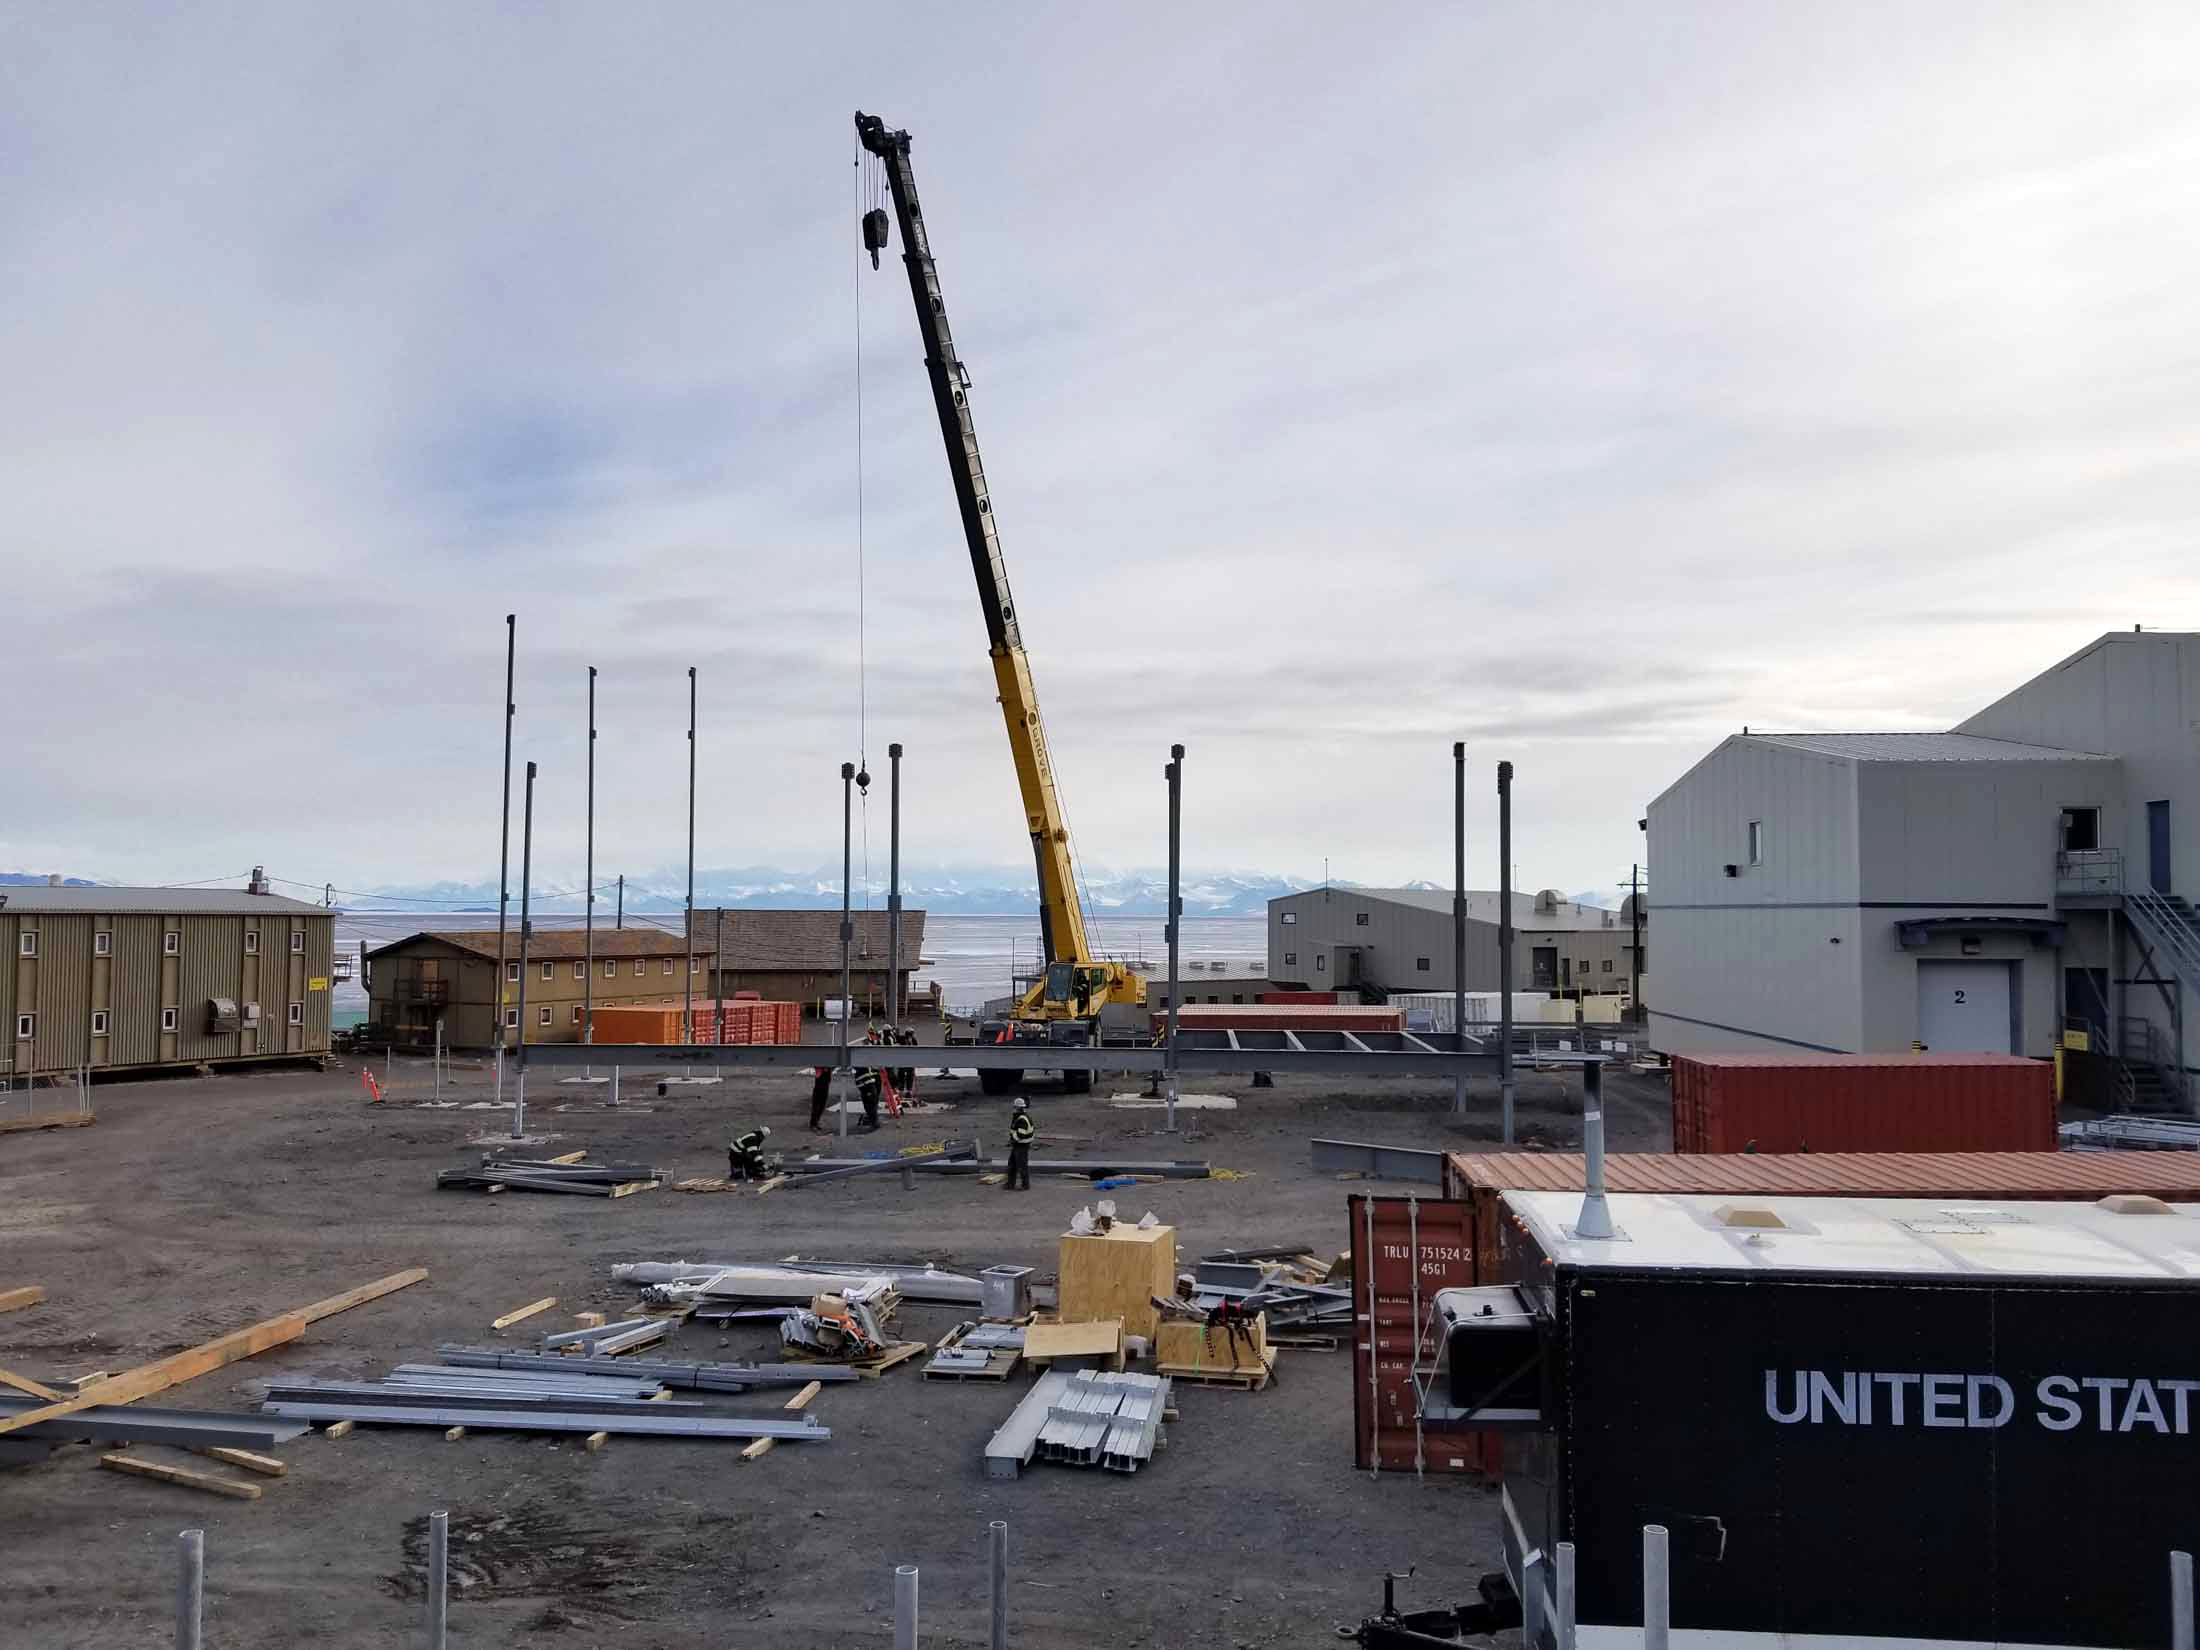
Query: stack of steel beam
pixel 605 1340
pixel 144 1424
pixel 521 1174
pixel 700 1377
pixel 1293 1307
pixel 1090 1418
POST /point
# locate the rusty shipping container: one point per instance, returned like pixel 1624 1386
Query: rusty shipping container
pixel 1283 1017
pixel 1404 1249
pixel 1862 1103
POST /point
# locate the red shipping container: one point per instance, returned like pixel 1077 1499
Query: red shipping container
pixel 1404 1249
pixel 1297 997
pixel 1862 1103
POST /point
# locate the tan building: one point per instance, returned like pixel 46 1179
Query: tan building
pixel 416 981
pixel 794 956
pixel 112 978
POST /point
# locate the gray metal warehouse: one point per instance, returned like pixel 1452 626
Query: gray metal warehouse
pixel 113 978
pixel 2008 885
pixel 1400 940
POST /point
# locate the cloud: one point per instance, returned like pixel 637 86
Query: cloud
pixel 1346 387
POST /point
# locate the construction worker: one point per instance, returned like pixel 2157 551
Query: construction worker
pixel 1022 1131
pixel 905 1077
pixel 821 1090
pixel 745 1155
pixel 867 1083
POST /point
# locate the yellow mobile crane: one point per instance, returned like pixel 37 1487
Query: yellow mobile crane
pixel 1063 1008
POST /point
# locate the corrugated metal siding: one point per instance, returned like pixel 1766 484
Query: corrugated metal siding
pixel 64 998
pixel 212 949
pixel 2053 1176
pixel 8 926
pixel 134 1028
pixel 1806 1103
pixel 320 958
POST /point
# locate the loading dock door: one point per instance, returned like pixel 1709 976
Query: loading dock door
pixel 1964 1007
pixel 1544 962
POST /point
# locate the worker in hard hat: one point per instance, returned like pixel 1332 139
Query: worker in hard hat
pixel 1022 1131
pixel 745 1154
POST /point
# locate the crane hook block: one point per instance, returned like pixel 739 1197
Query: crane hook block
pixel 874 233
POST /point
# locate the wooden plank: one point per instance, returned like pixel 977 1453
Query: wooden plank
pixel 569 1157
pixel 338 1429
pixel 12 1300
pixel 23 1383
pixel 1073 1340
pixel 627 1188
pixel 801 1400
pixel 190 1364
pixel 596 1441
pixel 527 1311
pixel 760 1448
pixel 588 1320
pixel 452 1435
pixel 74 1120
pixel 265 1465
pixel 181 1475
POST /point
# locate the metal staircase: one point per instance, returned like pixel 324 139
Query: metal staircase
pixel 2168 933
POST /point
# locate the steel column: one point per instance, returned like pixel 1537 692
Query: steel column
pixel 1657 1598
pixel 847 934
pixel 588 882
pixel 1564 1576
pixel 1459 913
pixel 190 1588
pixel 1504 946
pixel 895 1007
pixel 439 1570
pixel 526 875
pixel 905 1607
pixel 1175 775
pixel 997 1549
pixel 687 1002
pixel 2180 1601
pixel 504 836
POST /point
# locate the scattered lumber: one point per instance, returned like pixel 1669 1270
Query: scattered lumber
pixel 251 1460
pixel 23 1383
pixel 799 1401
pixel 527 1311
pixel 338 1429
pixel 184 1476
pixel 190 1364
pixel 12 1300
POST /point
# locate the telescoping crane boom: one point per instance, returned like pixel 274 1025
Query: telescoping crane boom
pixel 1064 1006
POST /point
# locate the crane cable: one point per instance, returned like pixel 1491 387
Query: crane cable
pixel 863 684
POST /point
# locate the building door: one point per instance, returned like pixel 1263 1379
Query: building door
pixel 2158 846
pixel 1543 960
pixel 2085 1003
pixel 1964 1007
pixel 1565 972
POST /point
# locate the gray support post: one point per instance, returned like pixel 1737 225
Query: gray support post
pixel 614 1085
pixel 1634 952
pixel 439 1579
pixel 718 977
pixel 504 836
pixel 1532 1569
pixel 905 1607
pixel 1595 1220
pixel 190 1588
pixel 588 886
pixel 997 1551
pixel 895 1007
pixel 687 960
pixel 1505 944
pixel 1563 1576
pixel 847 930
pixel 1657 1597
pixel 1175 773
pixel 2180 1601
pixel 618 922
pixel 526 932
pixel 439 1057
pixel 1459 917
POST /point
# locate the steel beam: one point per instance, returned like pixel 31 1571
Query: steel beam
pixel 1384 1162
pixel 1369 1054
pixel 143 1424
pixel 701 1376
pixel 645 1420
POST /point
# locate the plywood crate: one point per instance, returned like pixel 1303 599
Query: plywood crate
pixel 1116 1274
pixel 1211 1349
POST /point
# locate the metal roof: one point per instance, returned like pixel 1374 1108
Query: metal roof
pixel 1925 747
pixel 163 902
pixel 2043 1175
pixel 758 941
pixel 1940 1238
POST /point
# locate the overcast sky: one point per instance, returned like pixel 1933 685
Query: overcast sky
pixel 1582 383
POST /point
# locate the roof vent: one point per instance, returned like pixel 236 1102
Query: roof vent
pixel 1550 899
pixel 1750 1215
pixel 2134 1203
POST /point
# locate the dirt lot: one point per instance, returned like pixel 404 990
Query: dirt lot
pixel 194 1207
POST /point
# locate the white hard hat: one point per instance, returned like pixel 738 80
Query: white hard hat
pixel 765 1131
pixel 1021 1103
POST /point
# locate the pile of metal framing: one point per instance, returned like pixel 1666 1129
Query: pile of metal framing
pixel 973 1347
pixel 695 1377
pixel 526 1400
pixel 2132 1132
pixel 141 1424
pixel 794 1279
pixel 940 1164
pixel 609 1339
pixel 1086 1418
pixel 523 1174
pixel 1260 1282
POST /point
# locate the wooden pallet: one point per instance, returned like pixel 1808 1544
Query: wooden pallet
pixel 1245 1380
pixel 869 1369
pixel 998 1365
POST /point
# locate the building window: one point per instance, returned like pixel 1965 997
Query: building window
pixel 1359 919
pixel 1756 842
pixel 1290 959
pixel 252 942
pixel 610 970
pixel 297 1014
pixel 576 1013
pixel 511 1019
pixel 2081 830
pixel 27 942
pixel 1290 919
pixel 1605 967
pixel 25 1026
pixel 511 973
pixel 548 971
pixel 695 965
pixel 103 944
pixel 1237 996
pixel 543 1018
pixel 1321 962
pixel 1420 965
pixel 171 943
pixel 668 965
pixel 640 968
pixel 167 1019
pixel 99 1022
pixel 580 971
pixel 298 942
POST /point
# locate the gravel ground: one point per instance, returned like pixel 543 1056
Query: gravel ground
pixel 196 1206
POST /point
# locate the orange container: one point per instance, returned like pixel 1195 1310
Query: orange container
pixel 638 1023
pixel 1862 1103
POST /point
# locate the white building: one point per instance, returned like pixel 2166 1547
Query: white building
pixel 1986 888
pixel 1401 940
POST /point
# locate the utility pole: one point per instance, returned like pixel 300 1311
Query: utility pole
pixel 504 838
pixel 718 979
pixel 894 1005
pixel 588 883
pixel 687 1007
pixel 1634 967
pixel 1174 772
pixel 847 920
pixel 620 923
pixel 1505 944
pixel 1459 919
pixel 526 932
